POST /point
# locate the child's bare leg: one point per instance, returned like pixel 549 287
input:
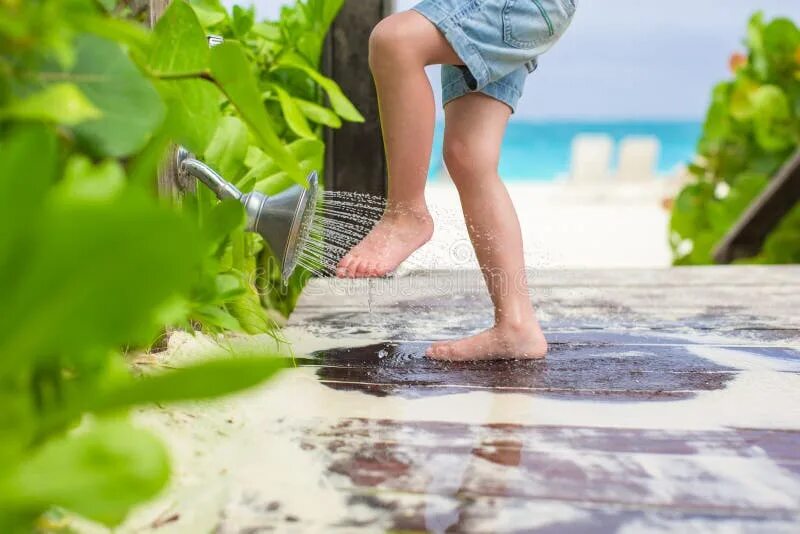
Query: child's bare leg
pixel 400 47
pixel 474 127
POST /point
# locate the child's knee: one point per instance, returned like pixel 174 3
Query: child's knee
pixel 456 157
pixel 394 39
pixel 385 41
pixel 465 161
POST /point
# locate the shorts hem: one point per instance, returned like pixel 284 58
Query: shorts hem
pixel 499 91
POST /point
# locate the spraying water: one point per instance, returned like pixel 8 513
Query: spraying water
pixel 341 220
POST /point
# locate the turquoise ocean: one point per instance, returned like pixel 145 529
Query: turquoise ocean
pixel 540 151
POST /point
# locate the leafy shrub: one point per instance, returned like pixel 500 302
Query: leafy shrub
pixel 286 55
pixel 91 261
pixel 752 127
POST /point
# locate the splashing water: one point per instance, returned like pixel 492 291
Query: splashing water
pixel 341 220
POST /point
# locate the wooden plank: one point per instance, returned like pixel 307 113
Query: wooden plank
pixel 404 512
pixel 471 295
pixel 678 277
pixel 355 158
pixel 747 236
pixel 780 445
pixel 628 306
pixel 586 325
pixel 684 471
pixel 712 286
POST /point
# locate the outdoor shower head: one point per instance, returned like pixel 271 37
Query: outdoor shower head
pixel 283 220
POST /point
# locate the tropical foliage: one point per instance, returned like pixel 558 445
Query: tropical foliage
pixel 752 127
pixel 92 262
pixel 286 55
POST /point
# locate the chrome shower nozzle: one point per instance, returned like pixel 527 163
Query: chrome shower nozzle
pixel 283 220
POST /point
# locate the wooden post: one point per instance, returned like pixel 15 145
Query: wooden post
pixel 168 181
pixel 157 8
pixel 747 236
pixel 355 159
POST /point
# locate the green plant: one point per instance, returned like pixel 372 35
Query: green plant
pixel 91 261
pixel 752 127
pixel 286 55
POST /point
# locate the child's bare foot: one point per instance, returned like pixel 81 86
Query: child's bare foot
pixel 400 232
pixel 500 342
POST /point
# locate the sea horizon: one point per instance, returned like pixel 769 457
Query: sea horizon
pixel 540 149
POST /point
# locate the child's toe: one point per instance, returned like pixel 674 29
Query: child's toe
pixel 381 269
pixel 344 265
pixel 438 350
pixel 354 269
pixel 372 269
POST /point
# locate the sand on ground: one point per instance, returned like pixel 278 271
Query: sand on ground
pixel 605 225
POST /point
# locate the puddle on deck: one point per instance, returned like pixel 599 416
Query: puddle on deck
pixel 571 370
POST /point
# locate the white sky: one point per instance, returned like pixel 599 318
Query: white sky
pixel 632 59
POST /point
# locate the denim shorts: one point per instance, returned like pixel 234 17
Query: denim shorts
pixel 499 42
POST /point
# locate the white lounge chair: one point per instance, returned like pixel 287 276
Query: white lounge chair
pixel 591 158
pixel 638 159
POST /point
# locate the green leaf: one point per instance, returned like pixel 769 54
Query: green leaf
pixel 213 378
pixel 131 108
pixel 229 286
pixel 273 183
pixel 194 112
pixel 309 152
pixel 210 12
pixel 781 245
pixel 270 31
pixel 214 317
pixel 27 170
pixel 61 103
pixel 781 39
pixel 100 473
pixel 179 42
pixel 325 11
pixel 717 124
pixel 741 103
pixel 243 19
pixel 115 263
pixel 269 180
pixel 85 181
pixel 688 215
pixel 744 189
pixel 703 246
pixel 318 114
pixel 222 219
pixel 254 156
pixel 228 148
pixel 122 31
pixel 251 315
pixel 108 5
pixel 231 70
pixel 772 119
pixel 180 48
pixel 339 102
pixel 291 112
pixel 755 42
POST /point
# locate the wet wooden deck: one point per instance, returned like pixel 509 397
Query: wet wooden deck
pixel 670 402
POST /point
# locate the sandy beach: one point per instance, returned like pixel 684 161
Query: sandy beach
pixel 606 225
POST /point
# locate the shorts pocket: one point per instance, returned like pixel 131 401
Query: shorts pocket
pixel 535 23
